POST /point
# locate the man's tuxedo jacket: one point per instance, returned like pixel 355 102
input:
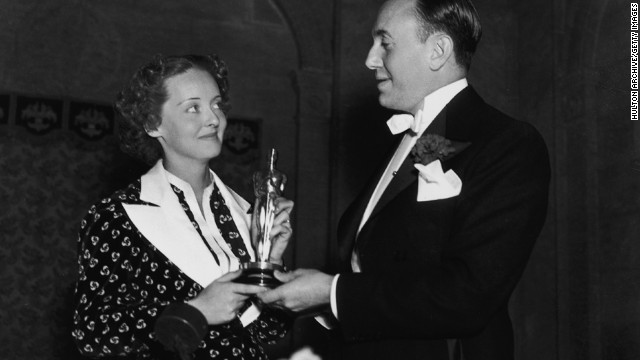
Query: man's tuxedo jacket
pixel 444 269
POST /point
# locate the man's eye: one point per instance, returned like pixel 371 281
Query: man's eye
pixel 193 109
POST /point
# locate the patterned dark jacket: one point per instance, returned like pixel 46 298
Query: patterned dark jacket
pixel 131 266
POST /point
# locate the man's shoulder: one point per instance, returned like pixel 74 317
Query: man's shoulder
pixel 508 125
pixel 490 118
pixel 473 119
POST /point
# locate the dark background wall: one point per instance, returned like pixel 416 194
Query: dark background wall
pixel 298 68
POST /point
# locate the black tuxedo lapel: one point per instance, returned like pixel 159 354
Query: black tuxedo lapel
pixel 350 220
pixel 439 124
pixel 405 175
pixel 462 123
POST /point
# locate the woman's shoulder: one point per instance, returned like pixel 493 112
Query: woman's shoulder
pixel 110 208
pixel 127 195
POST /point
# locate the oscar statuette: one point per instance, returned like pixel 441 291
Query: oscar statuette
pixel 268 185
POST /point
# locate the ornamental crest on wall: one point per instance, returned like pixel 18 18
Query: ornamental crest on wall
pixel 240 155
pixel 39 115
pixel 91 121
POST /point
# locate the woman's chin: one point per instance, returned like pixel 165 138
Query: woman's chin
pixel 214 153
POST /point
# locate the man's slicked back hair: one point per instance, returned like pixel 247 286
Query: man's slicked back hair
pixel 456 18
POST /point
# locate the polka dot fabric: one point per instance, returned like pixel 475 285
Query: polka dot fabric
pixel 124 284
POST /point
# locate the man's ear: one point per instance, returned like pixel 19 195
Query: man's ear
pixel 441 50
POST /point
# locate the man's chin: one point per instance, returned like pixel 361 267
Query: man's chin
pixel 387 102
pixel 396 103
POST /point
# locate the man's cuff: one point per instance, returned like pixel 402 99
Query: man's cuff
pixel 333 300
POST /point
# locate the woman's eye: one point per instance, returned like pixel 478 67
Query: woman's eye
pixel 217 105
pixel 193 109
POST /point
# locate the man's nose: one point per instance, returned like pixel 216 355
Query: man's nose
pixel 373 58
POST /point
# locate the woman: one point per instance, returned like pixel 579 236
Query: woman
pixel 178 234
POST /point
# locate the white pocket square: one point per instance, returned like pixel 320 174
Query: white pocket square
pixel 434 184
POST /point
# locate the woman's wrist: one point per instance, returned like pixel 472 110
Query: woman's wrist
pixel 194 303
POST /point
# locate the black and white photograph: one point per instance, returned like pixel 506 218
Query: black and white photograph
pixel 319 180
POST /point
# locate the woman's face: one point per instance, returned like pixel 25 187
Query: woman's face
pixel 193 123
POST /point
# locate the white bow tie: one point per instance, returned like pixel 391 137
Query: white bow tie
pixel 402 122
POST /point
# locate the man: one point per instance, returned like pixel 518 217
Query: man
pixel 434 251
